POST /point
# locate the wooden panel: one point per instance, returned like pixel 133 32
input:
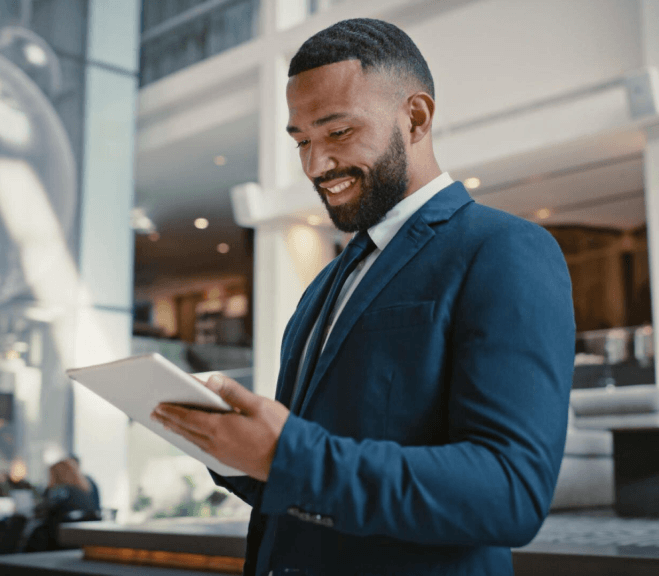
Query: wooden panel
pixel 163 559
pixel 610 276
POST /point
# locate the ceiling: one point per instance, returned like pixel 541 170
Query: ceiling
pixel 180 182
pixel 596 182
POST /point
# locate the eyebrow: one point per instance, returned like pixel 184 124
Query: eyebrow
pixel 320 122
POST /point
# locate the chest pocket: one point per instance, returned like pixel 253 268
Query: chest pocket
pixel 399 316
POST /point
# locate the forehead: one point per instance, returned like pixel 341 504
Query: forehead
pixel 337 87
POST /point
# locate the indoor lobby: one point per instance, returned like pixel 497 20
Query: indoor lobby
pixel 152 201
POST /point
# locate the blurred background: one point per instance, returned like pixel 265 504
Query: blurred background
pixel 151 200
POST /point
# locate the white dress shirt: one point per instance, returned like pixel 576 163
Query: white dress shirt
pixel 381 234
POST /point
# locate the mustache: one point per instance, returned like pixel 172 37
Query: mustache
pixel 352 172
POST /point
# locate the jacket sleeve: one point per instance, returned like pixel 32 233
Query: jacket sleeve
pixel 511 358
pixel 246 488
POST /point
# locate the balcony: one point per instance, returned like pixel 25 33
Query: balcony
pixel 179 33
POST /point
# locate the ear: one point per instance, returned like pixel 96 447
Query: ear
pixel 421 108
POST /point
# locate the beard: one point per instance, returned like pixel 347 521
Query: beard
pixel 381 189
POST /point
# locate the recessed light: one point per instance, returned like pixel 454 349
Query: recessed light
pixel 472 183
pixel 219 160
pixel 314 220
pixel 543 213
pixel 35 54
pixel 201 223
pixel 223 248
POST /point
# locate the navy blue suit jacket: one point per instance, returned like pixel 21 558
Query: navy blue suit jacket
pixel 430 438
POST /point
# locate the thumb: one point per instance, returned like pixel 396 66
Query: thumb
pixel 233 393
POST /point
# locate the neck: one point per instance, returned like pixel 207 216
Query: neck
pixel 420 177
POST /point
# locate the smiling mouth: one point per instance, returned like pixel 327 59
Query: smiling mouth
pixel 340 187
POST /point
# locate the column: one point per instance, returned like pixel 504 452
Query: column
pixel 651 176
pixel 650 46
pixel 104 315
pixel 287 253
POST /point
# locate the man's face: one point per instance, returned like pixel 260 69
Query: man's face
pixel 350 144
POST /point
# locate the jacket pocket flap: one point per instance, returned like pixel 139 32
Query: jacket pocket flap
pixel 399 316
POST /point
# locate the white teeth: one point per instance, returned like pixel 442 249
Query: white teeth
pixel 340 187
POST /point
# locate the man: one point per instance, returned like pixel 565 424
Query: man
pixel 96 497
pixel 428 413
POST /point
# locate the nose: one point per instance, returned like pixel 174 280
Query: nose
pixel 317 161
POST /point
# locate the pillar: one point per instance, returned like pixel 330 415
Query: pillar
pixel 103 319
pixel 650 50
pixel 287 254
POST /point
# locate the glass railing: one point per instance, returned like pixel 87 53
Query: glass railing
pixel 179 33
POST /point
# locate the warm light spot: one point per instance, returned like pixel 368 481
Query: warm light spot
pixel 472 183
pixel 306 246
pixel 236 306
pixel 219 160
pixel 164 315
pixel 543 213
pixel 18 470
pixel 154 236
pixel 35 54
pixel 13 355
pixel 223 248
pixel 314 220
pixel 201 223
pixel 214 293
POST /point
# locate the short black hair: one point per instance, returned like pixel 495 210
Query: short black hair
pixel 375 43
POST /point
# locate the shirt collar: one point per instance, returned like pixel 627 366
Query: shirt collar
pixel 383 232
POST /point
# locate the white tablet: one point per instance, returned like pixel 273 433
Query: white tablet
pixel 136 385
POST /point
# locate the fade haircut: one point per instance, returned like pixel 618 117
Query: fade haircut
pixel 378 45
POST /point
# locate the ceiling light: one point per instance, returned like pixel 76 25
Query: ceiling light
pixel 219 160
pixel 201 223
pixel 543 213
pixel 223 248
pixel 314 220
pixel 35 54
pixel 472 183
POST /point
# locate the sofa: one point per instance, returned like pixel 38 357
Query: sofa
pixel 586 477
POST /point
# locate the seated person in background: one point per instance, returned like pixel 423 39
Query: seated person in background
pixel 68 498
pixel 69 495
pixel 95 493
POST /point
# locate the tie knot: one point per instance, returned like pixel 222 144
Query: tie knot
pixel 361 244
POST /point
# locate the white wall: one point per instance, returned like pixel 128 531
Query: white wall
pixel 494 55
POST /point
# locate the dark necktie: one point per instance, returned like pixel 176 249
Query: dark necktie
pixel 358 248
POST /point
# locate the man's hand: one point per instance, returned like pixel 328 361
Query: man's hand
pixel 245 439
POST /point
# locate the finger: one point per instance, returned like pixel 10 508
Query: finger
pixel 197 421
pixel 215 382
pixel 198 440
pixel 238 396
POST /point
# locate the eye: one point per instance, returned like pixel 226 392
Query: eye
pixel 302 143
pixel 339 133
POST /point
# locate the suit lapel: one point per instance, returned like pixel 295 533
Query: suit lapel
pixel 402 248
pixel 302 323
